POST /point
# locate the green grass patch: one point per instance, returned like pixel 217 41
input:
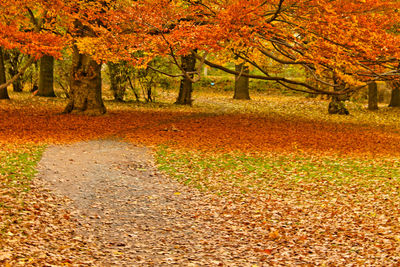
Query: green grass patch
pixel 287 174
pixel 17 164
pixel 17 168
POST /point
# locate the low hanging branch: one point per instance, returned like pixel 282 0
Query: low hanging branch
pixel 19 74
pixel 310 89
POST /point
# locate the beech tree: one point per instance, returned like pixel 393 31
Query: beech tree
pixel 320 36
pixel 3 91
pixel 22 31
pixel 14 59
pixel 373 96
pixel 241 83
pixel 117 80
pixel 188 65
pixel 395 95
pixel 46 76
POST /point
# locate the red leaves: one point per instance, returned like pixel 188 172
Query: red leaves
pixel 224 132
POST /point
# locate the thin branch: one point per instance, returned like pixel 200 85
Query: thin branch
pixel 276 79
pixel 278 10
pixel 165 73
pixel 282 61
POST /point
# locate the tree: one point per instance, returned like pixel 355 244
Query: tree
pixel 22 33
pixel 85 91
pixel 3 91
pixel 46 76
pixel 337 105
pixel 241 83
pixel 297 33
pixel 117 80
pixel 395 97
pixel 320 36
pixel 373 96
pixel 14 59
pixel 186 85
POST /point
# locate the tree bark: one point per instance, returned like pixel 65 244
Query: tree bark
pixel 14 58
pixel 395 97
pixel 46 77
pixel 3 91
pixel 85 93
pixel 186 86
pixel 373 96
pixel 241 83
pixel 337 105
pixel 116 81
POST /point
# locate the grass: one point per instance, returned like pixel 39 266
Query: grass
pixel 17 168
pixel 17 165
pixel 346 207
pixel 260 173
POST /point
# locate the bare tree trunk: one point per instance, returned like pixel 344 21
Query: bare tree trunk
pixel 85 94
pixel 14 58
pixel 373 96
pixel 395 97
pixel 241 83
pixel 116 81
pixel 3 92
pixel 337 106
pixel 186 86
pixel 46 77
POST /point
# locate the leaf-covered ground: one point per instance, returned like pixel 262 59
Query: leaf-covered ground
pixel 318 186
pixel 315 209
pixel 206 128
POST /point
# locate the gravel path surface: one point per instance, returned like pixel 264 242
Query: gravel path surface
pixel 137 216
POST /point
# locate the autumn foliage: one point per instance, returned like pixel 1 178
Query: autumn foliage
pixel 304 202
pixel 324 37
pixel 246 133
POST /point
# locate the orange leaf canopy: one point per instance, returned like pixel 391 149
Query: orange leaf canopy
pixel 352 37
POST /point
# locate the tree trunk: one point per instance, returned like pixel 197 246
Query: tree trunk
pixel 17 85
pixel 373 96
pixel 116 81
pixel 46 77
pixel 337 106
pixel 3 92
pixel 241 83
pixel 85 94
pixel 186 86
pixel 395 97
pixel 14 58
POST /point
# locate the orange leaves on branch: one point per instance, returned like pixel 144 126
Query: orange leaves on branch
pixel 338 35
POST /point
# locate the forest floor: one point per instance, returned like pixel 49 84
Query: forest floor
pixel 137 216
pixel 274 181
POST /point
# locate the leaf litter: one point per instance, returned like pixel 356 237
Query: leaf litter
pixel 290 222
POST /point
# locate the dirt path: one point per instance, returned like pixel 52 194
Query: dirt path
pixel 137 216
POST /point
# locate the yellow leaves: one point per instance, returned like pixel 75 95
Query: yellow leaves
pixel 5 255
pixel 348 79
pixel 274 234
pixel 87 45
